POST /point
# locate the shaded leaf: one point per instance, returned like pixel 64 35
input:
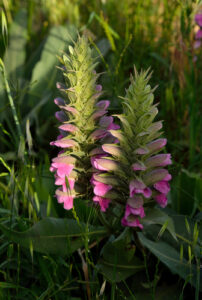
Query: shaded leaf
pixel 170 257
pixel 54 236
pixel 156 216
pixel 118 261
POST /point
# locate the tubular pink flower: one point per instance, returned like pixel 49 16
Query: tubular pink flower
pixel 141 151
pixel 131 171
pixel 99 113
pixel 155 176
pixel 64 197
pixel 197 44
pixel 132 222
pixel 162 186
pixel 104 164
pixel 161 199
pixel 138 167
pixel 60 116
pixel 198 19
pixel 137 187
pixel 59 101
pixel 103 104
pixel 134 211
pixel 98 87
pixel 155 126
pixel 68 203
pixel 112 149
pixel 168 177
pixel 103 202
pixel 99 133
pixel 62 181
pixel 70 109
pixel 159 160
pixel 62 169
pixel 64 143
pixel 156 145
pixel 101 189
pixel 97 151
pixel 68 127
pixel 94 162
pixel 199 34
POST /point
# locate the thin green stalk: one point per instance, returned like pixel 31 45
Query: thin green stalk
pixel 8 91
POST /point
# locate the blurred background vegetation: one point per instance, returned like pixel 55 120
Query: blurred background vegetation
pixel 152 33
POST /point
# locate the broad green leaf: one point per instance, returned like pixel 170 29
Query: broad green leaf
pixel 171 258
pixel 185 198
pixel 118 260
pixel 165 292
pixel 156 216
pixel 45 73
pixel 54 236
pixel 16 53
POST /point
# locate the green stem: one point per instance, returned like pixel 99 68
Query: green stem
pixel 12 105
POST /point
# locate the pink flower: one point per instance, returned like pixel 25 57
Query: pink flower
pixel 64 143
pixel 161 199
pixel 162 186
pixel 134 222
pixel 60 116
pixel 198 19
pixel 138 187
pixel 62 169
pixel 67 183
pixel 199 34
pixel 138 167
pixel 197 44
pixel 101 189
pixel 159 160
pixel 134 211
pixel 103 202
pixel 168 177
pixel 64 197
pixel 141 151
pixel 106 124
pixel 156 145
pixel 59 101
pixel 103 164
pixel 68 127
pixel 98 87
pixel 103 104
pixel 94 162
pixel 99 113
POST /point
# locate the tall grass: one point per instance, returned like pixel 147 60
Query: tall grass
pixel 146 33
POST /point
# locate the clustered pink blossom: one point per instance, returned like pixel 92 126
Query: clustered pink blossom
pixel 100 189
pixel 64 164
pixel 157 187
pixel 198 36
pixel 153 185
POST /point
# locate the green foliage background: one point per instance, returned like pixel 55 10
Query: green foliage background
pixel 146 33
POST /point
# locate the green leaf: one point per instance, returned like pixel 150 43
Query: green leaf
pixel 16 53
pixel 118 261
pixel 45 73
pixel 54 236
pixel 156 216
pixel 186 192
pixel 170 257
pixel 165 292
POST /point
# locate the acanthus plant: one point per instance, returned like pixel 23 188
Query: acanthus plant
pixel 198 35
pixel 131 174
pixel 84 122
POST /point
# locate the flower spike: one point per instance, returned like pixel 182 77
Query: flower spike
pixel 132 159
pixel 83 125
